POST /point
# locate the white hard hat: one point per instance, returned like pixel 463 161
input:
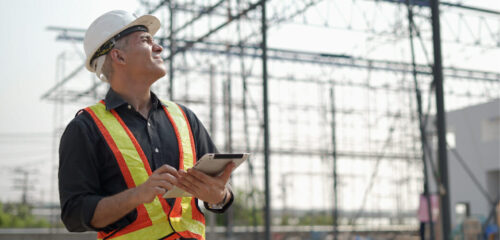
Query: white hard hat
pixel 111 26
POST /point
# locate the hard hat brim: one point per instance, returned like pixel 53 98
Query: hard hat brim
pixel 150 21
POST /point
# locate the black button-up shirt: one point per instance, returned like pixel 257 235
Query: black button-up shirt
pixel 88 170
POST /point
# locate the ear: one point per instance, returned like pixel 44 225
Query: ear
pixel 117 56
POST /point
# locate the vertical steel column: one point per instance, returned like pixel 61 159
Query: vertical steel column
pixel 334 145
pixel 441 120
pixel 172 52
pixel 211 216
pixel 423 139
pixel 229 143
pixel 267 208
pixel 229 137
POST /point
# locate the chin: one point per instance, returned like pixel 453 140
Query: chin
pixel 160 72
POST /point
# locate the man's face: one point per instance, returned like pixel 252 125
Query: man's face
pixel 143 56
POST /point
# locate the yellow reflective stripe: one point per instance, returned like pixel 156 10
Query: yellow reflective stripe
pixel 182 224
pixel 156 213
pixel 123 142
pixel 186 221
pixel 160 227
pixel 135 166
pixel 179 120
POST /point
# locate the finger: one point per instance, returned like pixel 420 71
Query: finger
pixel 186 188
pixel 162 184
pixel 166 169
pixel 160 191
pixel 227 172
pixel 190 182
pixel 200 176
pixel 167 177
pixel 163 177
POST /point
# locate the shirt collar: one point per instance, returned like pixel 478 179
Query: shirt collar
pixel 113 100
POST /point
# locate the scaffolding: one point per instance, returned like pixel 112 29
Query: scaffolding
pixel 322 93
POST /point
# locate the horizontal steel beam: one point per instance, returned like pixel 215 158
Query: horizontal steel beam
pixel 426 3
pixel 223 49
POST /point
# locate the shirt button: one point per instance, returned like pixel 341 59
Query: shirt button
pixel 129 107
pixel 149 124
pixel 157 150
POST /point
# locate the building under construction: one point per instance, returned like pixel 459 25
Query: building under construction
pixel 342 105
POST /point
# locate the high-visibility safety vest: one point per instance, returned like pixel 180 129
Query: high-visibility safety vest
pixel 155 220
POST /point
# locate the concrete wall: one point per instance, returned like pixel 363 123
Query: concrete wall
pixel 475 133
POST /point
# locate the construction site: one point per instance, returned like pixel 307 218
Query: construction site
pixel 355 112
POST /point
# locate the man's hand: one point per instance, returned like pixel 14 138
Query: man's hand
pixel 112 208
pixel 204 187
pixel 162 179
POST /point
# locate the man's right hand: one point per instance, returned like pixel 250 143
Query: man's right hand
pixel 162 179
pixel 112 208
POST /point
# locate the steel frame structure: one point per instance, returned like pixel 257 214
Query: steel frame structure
pixel 376 123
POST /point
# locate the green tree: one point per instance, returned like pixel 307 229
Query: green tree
pixel 246 214
pixel 16 215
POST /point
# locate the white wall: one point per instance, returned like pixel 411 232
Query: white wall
pixel 475 132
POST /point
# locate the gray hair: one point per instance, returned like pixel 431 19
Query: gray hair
pixel 104 69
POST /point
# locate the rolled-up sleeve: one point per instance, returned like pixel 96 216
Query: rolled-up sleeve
pixel 79 185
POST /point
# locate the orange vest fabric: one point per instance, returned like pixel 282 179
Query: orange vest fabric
pixel 155 220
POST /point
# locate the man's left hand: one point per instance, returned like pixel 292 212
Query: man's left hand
pixel 204 187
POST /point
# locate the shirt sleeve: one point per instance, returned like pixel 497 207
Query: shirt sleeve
pixel 79 183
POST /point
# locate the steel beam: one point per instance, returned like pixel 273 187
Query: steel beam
pixel 219 27
pixel 267 147
pixel 441 121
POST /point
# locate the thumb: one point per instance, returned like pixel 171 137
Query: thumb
pixel 227 171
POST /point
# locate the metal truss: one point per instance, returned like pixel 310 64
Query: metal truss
pixel 231 42
pixel 468 26
pixel 341 60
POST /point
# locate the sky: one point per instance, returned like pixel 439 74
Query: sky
pixel 28 61
pixel 28 67
pixel 29 53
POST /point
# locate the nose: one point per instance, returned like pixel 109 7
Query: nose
pixel 157 48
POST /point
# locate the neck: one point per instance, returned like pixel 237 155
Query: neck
pixel 136 93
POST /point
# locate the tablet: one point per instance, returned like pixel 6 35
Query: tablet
pixel 211 164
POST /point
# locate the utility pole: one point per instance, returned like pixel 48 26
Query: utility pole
pixel 334 175
pixel 23 183
pixel 441 120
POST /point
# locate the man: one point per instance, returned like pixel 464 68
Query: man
pixel 118 157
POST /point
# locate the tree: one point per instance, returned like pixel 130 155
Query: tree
pixel 18 215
